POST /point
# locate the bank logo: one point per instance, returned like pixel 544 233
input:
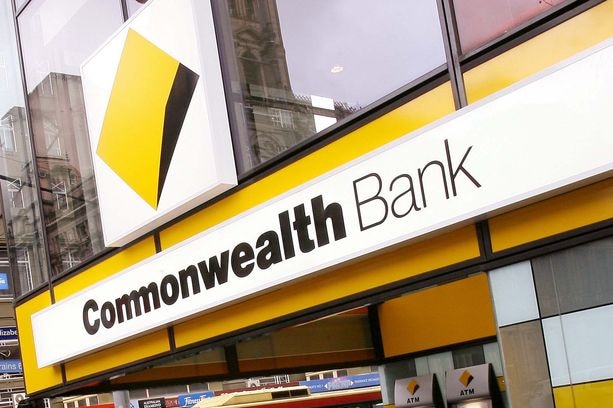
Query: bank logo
pixel 412 387
pixel 147 107
pixel 466 378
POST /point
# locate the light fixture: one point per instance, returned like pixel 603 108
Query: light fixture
pixel 336 69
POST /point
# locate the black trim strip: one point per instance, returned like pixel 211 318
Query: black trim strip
pixel 452 51
pixel 520 323
pixel 170 332
pixel 231 355
pixel 485 239
pixel 157 242
pixel 124 10
pixel 375 331
pixel 63 369
pixel 396 99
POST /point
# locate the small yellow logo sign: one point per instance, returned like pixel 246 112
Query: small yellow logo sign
pixel 412 387
pixel 466 378
pixel 147 107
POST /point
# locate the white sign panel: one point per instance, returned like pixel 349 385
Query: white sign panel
pixel 529 141
pixel 157 119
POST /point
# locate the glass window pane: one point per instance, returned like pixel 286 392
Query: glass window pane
pixel 56 38
pixel 587 336
pixel 336 339
pixel 575 279
pixel 468 356
pixel 297 68
pixel 204 363
pixel 527 376
pixel 21 207
pixel 481 21
pixel 513 294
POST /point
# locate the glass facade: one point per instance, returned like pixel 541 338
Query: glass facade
pixel 55 40
pixel 20 204
pixel 574 290
pixel 294 73
pixel 482 21
pixel 287 80
pixel 134 6
pixel 291 78
pixel 565 339
pixel 575 279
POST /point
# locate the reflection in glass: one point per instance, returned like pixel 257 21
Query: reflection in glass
pixel 340 338
pixel 56 39
pixel 20 205
pixel 297 68
pixel 575 279
pixel 481 21
pixel 468 356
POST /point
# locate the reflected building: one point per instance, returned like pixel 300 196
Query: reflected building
pixel 21 238
pixel 65 170
pixel 274 117
pixel 19 201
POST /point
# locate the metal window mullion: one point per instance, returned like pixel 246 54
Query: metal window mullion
pixel 124 10
pixel 30 135
pixel 452 51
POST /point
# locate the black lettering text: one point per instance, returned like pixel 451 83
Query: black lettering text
pixel 375 199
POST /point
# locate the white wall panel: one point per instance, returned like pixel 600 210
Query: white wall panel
pixel 588 335
pixel 513 293
pixel 556 351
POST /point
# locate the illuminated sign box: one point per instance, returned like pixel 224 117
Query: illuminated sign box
pixel 533 140
pixel 157 119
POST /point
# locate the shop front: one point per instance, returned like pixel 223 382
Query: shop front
pixel 425 257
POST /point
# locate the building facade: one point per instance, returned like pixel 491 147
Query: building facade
pixel 409 189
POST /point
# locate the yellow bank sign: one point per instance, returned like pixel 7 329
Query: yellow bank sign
pixel 157 119
pixel 495 155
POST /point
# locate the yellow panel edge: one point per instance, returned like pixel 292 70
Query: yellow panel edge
pixel 36 379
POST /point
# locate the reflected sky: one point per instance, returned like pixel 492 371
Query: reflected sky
pixel 375 47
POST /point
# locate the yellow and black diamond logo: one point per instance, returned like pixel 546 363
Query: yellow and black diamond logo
pixel 146 110
pixel 466 378
pixel 412 387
